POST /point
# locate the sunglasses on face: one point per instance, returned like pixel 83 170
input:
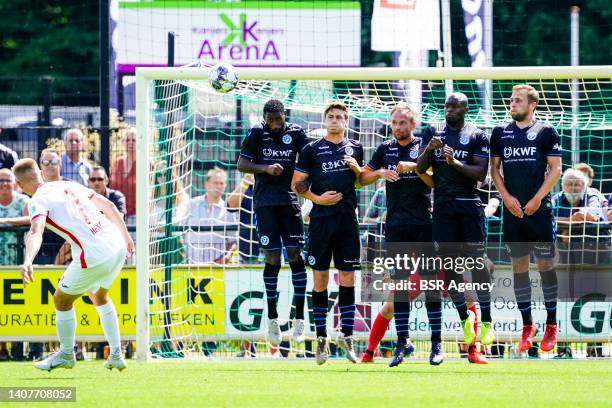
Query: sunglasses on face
pixel 6 181
pixel 53 162
pixel 94 179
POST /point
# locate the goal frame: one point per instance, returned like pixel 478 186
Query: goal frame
pixel 143 100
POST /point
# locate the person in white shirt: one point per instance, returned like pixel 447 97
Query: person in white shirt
pixel 91 223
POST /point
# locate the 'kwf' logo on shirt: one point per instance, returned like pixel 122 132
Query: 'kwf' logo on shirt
pixel 519 151
pixel 332 165
pixel 276 153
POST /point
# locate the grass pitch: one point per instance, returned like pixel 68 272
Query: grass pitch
pixel 336 384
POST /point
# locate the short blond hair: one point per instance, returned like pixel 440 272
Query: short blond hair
pixel 216 172
pixel 585 169
pixel 532 94
pixel 26 169
pixel 50 150
pixel 407 109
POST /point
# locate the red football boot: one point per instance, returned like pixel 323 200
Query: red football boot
pixel 550 338
pixel 367 358
pixel 529 330
pixel 475 357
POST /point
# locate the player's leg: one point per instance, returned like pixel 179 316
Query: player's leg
pixel 319 259
pixel 98 294
pixel 379 328
pixel 292 233
pixel 544 251
pixel 65 324
pixel 446 231
pixel 346 252
pixel 269 238
pixel 110 325
pixel 519 251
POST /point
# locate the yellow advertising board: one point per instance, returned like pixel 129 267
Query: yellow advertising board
pixel 191 301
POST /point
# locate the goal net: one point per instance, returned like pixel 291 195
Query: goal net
pixel 200 284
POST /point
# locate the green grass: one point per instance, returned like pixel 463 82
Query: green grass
pixel 337 384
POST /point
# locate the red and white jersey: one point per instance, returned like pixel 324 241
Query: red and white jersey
pixel 72 215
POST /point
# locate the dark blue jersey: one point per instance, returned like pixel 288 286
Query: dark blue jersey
pixel 262 146
pixel 467 143
pixel 327 171
pixel 524 155
pixel 407 199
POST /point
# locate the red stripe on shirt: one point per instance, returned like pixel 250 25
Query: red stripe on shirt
pixel 72 237
pixel 38 215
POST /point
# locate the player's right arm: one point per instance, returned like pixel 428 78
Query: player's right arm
pixel 110 211
pixel 250 147
pixel 375 169
pixel 32 246
pixel 510 202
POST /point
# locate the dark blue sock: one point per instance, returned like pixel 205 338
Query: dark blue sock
pixel 298 278
pixel 346 303
pixel 270 277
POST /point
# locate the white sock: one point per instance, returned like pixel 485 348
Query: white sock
pixel 110 324
pixel 65 323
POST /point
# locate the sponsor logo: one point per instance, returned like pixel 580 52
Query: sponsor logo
pixel 529 151
pixel 349 150
pixel 332 165
pixel 311 260
pixel 464 140
pixel 556 147
pixel 414 154
pixel 532 135
pixel 325 152
pixel 323 147
pixel 264 240
pixel 287 139
pixel 276 153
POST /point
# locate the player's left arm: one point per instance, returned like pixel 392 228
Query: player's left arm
pixel 32 246
pixel 110 211
pixel 476 171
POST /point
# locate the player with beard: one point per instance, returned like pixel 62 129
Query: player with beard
pixel 408 221
pixel 459 156
pixel 530 152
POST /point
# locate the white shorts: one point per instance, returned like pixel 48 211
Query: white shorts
pixel 76 280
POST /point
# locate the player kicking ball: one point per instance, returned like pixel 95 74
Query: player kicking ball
pixel 327 173
pixel 92 225
pixel 530 153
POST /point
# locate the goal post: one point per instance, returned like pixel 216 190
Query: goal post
pixel 185 129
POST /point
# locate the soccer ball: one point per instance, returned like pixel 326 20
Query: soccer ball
pixel 223 77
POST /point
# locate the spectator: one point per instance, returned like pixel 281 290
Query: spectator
pixel 13 213
pixel 123 174
pixel 575 204
pixel 589 173
pixel 375 216
pixel 609 206
pixel 98 182
pixel 74 167
pixel 210 210
pixel 8 157
pixel 242 199
pixel 157 216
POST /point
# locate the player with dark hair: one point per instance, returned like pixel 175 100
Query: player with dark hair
pixel 459 156
pixel 269 151
pixel 530 152
pixel 327 173
pixel 408 221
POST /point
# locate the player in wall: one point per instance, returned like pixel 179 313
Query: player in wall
pixel 530 153
pixel 459 157
pixel 327 173
pixel 92 225
pixel 269 152
pixel 408 221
